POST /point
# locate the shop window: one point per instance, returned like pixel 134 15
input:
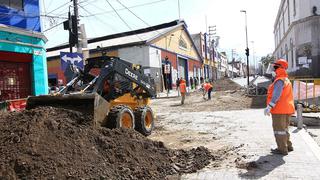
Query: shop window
pixel 15 4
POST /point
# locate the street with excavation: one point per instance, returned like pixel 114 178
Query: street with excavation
pixel 241 137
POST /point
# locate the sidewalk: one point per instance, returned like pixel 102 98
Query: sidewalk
pixel 254 130
pixel 243 81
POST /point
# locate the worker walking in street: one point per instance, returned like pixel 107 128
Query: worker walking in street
pixel 183 90
pixel 281 106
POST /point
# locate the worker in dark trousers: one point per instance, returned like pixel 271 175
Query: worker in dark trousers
pixel 281 106
pixel 208 88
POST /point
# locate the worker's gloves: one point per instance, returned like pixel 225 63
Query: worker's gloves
pixel 268 109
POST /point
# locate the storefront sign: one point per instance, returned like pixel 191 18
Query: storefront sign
pixel 167 69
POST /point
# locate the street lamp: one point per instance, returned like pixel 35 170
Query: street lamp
pixel 247 49
pixel 253 58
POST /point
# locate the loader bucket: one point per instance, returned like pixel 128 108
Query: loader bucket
pixel 91 105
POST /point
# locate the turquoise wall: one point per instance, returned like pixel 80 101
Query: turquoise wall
pixel 39 63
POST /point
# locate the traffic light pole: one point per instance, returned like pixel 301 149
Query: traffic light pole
pixel 69 29
pixel 247 49
pixel 75 8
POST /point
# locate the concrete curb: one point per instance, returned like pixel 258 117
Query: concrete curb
pixel 311 143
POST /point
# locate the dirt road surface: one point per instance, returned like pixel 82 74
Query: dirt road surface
pixel 192 124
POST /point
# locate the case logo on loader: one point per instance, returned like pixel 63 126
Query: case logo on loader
pixel 131 74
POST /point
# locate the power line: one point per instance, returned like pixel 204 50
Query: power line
pixel 132 13
pixel 52 27
pixel 119 15
pixel 102 22
pixel 59 7
pixel 88 21
pixel 96 18
pixel 139 5
pixel 160 33
pixel 28 15
pixel 122 18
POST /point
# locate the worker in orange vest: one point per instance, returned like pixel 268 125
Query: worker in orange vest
pixel 183 89
pixel 281 106
pixel 208 88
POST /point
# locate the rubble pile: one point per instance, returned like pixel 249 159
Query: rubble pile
pixel 225 84
pixel 54 143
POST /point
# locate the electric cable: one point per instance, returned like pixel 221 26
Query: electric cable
pixel 122 19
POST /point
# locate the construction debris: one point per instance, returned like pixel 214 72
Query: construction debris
pixel 54 143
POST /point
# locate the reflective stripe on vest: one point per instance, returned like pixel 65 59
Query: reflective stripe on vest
pixel 280 132
pixel 285 104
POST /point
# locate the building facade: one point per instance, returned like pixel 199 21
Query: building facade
pixel 23 68
pixel 155 48
pixel 222 65
pixel 297 36
pixel 204 47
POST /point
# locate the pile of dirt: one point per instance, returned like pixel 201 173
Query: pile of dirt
pixel 53 143
pixel 225 84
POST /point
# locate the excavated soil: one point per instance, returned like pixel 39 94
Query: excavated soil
pixel 225 84
pixel 53 143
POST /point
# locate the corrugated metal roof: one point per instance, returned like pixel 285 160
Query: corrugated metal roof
pixel 130 39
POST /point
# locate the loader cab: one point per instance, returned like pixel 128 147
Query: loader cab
pixel 115 86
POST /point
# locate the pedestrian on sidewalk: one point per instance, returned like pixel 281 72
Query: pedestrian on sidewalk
pixel 183 90
pixel 281 106
pixel 196 82
pixel 177 84
pixel 191 83
pixel 207 88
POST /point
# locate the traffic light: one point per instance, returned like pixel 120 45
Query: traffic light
pixel 72 26
pixel 247 51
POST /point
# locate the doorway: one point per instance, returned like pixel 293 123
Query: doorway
pixel 15 80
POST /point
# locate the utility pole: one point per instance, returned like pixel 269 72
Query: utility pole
pixel 76 14
pixel 253 58
pixel 232 61
pixel 69 29
pixel 212 33
pixel 247 49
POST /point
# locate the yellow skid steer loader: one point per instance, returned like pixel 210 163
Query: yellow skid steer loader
pixel 117 97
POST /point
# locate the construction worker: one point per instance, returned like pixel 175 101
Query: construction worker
pixel 208 88
pixel 280 105
pixel 183 90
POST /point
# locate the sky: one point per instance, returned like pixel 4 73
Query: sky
pixel 100 19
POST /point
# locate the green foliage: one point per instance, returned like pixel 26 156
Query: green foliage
pixel 267 59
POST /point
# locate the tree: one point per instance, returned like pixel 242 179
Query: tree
pixel 267 59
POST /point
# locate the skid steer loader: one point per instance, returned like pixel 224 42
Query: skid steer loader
pixel 113 92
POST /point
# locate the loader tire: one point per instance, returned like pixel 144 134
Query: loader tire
pixel 144 120
pixel 121 117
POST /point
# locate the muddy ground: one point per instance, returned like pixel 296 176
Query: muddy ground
pixel 53 143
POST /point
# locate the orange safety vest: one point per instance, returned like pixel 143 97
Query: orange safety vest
pixel 182 86
pixel 207 86
pixel 285 104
